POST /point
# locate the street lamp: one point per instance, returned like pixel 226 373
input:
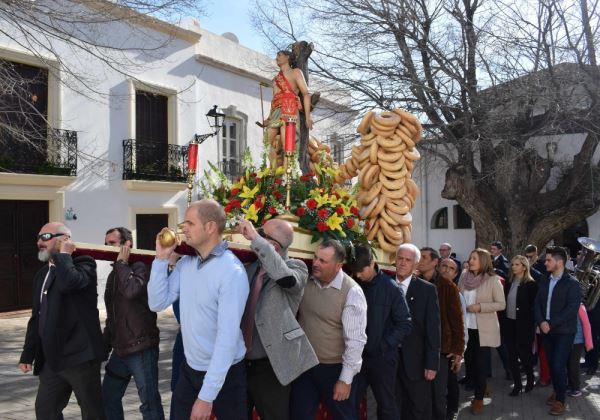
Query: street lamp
pixel 215 121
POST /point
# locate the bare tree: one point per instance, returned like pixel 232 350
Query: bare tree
pixel 91 31
pixel 487 78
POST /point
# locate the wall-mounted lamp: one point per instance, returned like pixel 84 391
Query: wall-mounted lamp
pixel 215 121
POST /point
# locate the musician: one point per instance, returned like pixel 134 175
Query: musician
pixel 63 340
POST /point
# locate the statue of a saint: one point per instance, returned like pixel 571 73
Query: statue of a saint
pixel 288 85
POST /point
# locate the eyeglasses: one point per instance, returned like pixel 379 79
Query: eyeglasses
pixel 47 236
pixel 262 233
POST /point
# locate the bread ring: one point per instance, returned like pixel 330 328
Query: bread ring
pixel 364 156
pixel 406 232
pixel 389 232
pixel 391 166
pixel 360 197
pixel 389 157
pixel 399 147
pixel 363 171
pixel 312 143
pixel 363 127
pixel 402 173
pixel 396 206
pixel 373 153
pixel 365 211
pixel 344 171
pixel 387 119
pixel 379 207
pixel 371 193
pixel 325 147
pixel 339 179
pixel 386 142
pixel 391 184
pixel 400 219
pixel 412 154
pixel 368 142
pixel 382 131
pixel 315 157
pixel 409 166
pixel 384 216
pixel 394 194
pixel 383 243
pixel 406 139
pixel 356 151
pixel 405 130
pixel 412 188
pixel 371 177
pixel 374 228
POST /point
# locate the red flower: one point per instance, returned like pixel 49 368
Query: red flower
pixel 227 208
pixel 322 226
pixel 339 211
pixel 350 223
pixel 258 203
pixel 277 195
pixel 257 179
pixel 311 204
pixel 234 191
pixel 305 178
pixel 278 181
pixel 253 174
pixel 336 195
pixel 272 210
pixel 300 211
pixel 355 211
pixel 323 213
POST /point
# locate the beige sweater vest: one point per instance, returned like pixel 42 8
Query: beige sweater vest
pixel 320 315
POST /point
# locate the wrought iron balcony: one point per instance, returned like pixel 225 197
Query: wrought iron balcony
pixel 231 168
pixel 47 152
pixel 153 161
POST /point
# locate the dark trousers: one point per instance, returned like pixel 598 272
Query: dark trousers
pixel 440 389
pixel 413 396
pixel 230 404
pixel 178 358
pixel 518 350
pixel 317 384
pixel 453 393
pixel 55 390
pixel 143 366
pixel 573 368
pixel 265 392
pixel 476 359
pixel 558 348
pixel 380 373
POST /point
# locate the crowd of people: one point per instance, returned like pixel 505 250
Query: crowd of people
pixel 278 338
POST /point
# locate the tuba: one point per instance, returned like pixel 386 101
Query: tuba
pixel 589 279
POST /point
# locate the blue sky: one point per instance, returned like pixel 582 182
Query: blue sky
pixel 231 16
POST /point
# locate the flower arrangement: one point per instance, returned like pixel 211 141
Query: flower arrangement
pixel 323 208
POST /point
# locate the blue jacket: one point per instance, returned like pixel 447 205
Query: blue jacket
pixel 566 298
pixel 388 317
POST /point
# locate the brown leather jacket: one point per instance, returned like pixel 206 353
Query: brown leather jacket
pixel 451 317
pixel 130 324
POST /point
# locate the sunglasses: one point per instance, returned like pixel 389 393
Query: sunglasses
pixel 262 233
pixel 47 236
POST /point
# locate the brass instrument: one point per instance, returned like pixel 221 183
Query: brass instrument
pixel 588 277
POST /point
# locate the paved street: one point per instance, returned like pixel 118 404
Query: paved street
pixel 17 391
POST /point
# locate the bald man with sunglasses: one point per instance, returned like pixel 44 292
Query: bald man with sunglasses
pixel 278 351
pixel 63 343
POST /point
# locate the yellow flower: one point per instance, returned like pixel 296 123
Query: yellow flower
pixel 248 193
pixel 334 222
pixel 251 213
pixel 279 171
pixel 265 172
pixel 322 200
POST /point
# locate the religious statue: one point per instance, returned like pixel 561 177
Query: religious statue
pixel 288 86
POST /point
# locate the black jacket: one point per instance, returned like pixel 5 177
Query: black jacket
pixel 72 332
pixel 501 266
pixel 564 305
pixel 525 322
pixel 130 324
pixel 421 348
pixel 388 318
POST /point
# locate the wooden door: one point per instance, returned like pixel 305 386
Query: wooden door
pixel 20 224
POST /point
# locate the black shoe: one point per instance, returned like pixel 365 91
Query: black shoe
pixel 530 384
pixel 515 391
pixel 463 380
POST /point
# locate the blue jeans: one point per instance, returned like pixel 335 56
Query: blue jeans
pixel 143 366
pixel 178 358
pixel 558 349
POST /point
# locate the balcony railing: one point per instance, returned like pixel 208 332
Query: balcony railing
pixel 153 161
pixel 231 168
pixel 50 152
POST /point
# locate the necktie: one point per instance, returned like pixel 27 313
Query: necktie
pixel 250 311
pixel 43 312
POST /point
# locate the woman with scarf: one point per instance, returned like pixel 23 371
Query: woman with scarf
pixel 484 296
pixel 518 324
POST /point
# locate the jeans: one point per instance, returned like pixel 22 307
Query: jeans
pixel 178 358
pixel 143 366
pixel 558 348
